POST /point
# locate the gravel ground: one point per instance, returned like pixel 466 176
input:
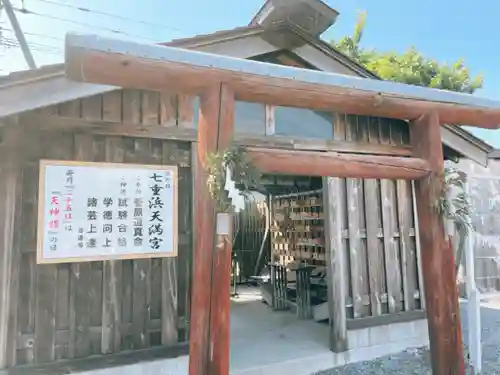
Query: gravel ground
pixel 417 361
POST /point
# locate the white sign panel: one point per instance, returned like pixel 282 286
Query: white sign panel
pixel 99 211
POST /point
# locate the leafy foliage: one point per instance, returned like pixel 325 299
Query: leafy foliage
pixel 230 164
pixel 453 204
pixel 409 67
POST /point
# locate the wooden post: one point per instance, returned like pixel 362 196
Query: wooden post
pixel 207 349
pixel 220 308
pixel 437 255
pixel 335 264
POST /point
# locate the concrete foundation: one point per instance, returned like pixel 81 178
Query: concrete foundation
pixel 265 342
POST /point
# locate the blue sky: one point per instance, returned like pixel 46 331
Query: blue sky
pixel 445 30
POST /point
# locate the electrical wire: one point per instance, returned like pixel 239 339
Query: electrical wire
pixel 31 12
pixel 13 43
pixel 43 36
pixel 108 14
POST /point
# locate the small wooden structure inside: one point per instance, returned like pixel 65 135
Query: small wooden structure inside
pixel 220 81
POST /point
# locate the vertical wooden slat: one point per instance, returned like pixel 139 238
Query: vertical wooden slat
pixel 353 187
pixel 112 274
pixel 168 109
pixel 443 315
pixel 391 248
pixel 27 243
pixel 93 110
pixel 372 213
pixel 418 248
pixel 150 108
pixel 407 255
pixel 72 109
pixel 131 102
pixel 80 279
pixel 169 291
pixel 46 275
pixel 92 107
pixel 335 263
pixel 45 322
pixel 112 106
pixel 62 308
pixel 186 110
pixel 131 112
pixel 141 272
pixel 10 199
pixel 374 264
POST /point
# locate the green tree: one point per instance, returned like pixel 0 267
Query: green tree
pixel 409 67
pixel 413 68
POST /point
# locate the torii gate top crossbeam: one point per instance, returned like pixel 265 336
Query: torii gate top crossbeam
pixel 90 58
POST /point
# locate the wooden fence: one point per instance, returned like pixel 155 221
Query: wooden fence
pixel 382 273
pixel 249 227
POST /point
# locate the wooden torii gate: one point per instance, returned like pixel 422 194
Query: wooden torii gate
pixel 219 81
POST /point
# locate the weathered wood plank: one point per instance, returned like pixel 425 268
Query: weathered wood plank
pixel 401 317
pixel 112 274
pixel 168 108
pixel 46 275
pixel 441 297
pixel 72 109
pixel 10 197
pixel 112 106
pixel 371 206
pixel 389 223
pixel 421 288
pixel 335 263
pixel 92 107
pixel 185 111
pixel 407 253
pixel 155 157
pixel 169 266
pixel 141 273
pixel 374 265
pixel 62 308
pixel 150 108
pixel 353 187
pixel 131 106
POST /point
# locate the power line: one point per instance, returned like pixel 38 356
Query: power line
pixel 30 12
pixel 107 14
pixel 43 36
pixel 13 43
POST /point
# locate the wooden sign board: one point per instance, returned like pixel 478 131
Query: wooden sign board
pixel 104 211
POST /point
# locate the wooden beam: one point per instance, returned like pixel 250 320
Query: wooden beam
pixel 335 264
pixel 127 64
pixel 441 297
pixel 386 319
pixel 221 267
pixel 44 122
pixel 304 163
